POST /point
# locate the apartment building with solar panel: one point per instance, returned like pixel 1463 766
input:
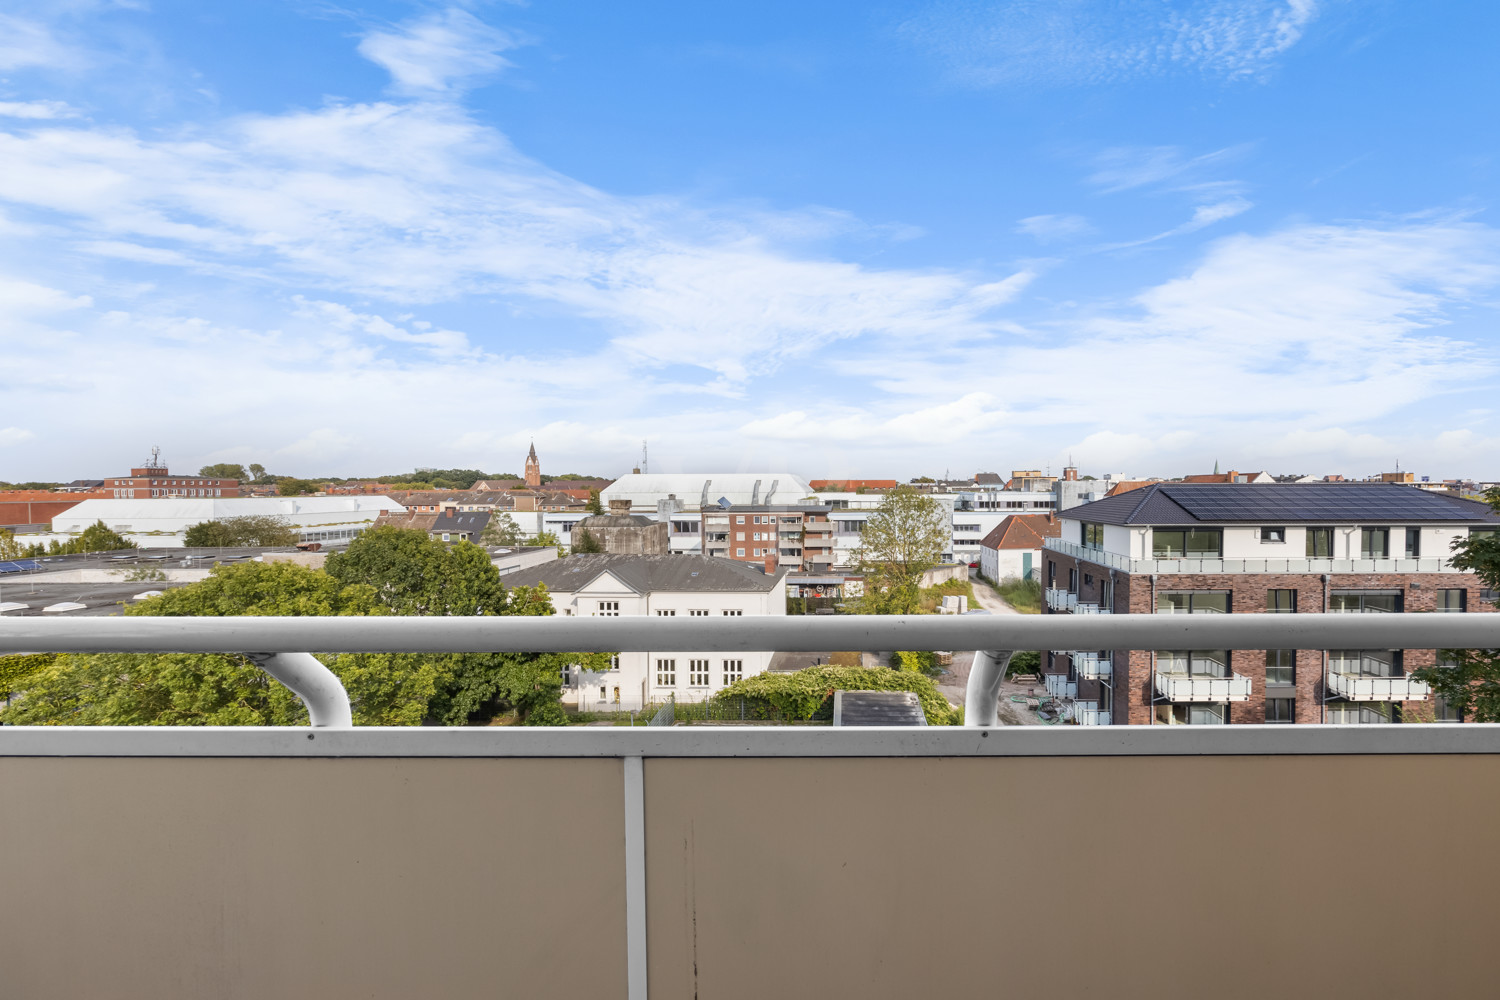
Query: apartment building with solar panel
pixel 1315 548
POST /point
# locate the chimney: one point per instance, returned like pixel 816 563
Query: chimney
pixel 619 506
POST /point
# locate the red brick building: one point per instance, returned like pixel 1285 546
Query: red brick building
pixel 156 481
pixel 1318 548
pixel 794 536
pixel 33 508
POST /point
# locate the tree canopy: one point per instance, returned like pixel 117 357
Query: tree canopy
pixel 379 575
pixel 902 540
pixel 249 529
pixel 584 542
pixel 289 487
pixel 225 470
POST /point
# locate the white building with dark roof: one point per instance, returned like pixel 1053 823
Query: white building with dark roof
pixel 665 586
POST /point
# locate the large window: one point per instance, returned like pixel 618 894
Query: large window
pixel 1281 666
pixel 1187 543
pixel 1281 601
pixel 1320 543
pixel 1195 602
pixel 1374 543
pixel 733 670
pixel 1364 601
pixel 1093 535
pixel 1454 599
pixel 1191 714
pixel 609 609
pixel 1281 710
pixel 698 673
pixel 1197 662
pixel 1366 662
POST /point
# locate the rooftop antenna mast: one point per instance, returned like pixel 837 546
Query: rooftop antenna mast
pixel 644 468
pixel 155 457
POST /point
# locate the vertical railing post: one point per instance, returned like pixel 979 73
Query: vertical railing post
pixel 982 696
pixel 326 700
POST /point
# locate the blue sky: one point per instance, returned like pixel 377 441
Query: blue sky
pixel 858 239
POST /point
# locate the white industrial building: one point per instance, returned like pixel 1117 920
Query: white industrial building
pixel 693 491
pixel 670 586
pixel 162 523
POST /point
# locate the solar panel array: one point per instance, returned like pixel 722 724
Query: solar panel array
pixel 18 565
pixel 1317 502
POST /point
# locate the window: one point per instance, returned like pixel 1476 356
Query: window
pixel 609 609
pixel 1190 715
pixel 1374 543
pixel 1366 662
pixel 1093 535
pixel 1187 543
pixel 698 673
pixel 603 692
pixel 1452 600
pixel 733 670
pixel 1277 535
pixel 1363 713
pixel 1051 573
pixel 739 536
pixel 740 553
pixel 614 662
pixel 1281 601
pixel 1073 580
pixel 1365 601
pixel 1483 532
pixel 1199 662
pixel 1281 666
pixel 445 536
pixel 697 612
pixel 1280 710
pixel 666 612
pixel 666 673
pixel 1413 543
pixel 732 612
pixel 617 695
pixel 1320 543
pixel 1198 602
pixel 739 519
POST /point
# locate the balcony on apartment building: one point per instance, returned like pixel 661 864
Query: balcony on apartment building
pixel 385 863
pixel 1199 675
pixel 1065 600
pixel 1372 675
pixel 1190 564
pixel 1092 665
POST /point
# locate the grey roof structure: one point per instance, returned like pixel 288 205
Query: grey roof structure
pixel 615 521
pixel 648 574
pixel 1282 503
pixel 475 521
pixel 877 708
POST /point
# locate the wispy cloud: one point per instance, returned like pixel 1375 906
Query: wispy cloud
pixel 36 110
pixel 1054 228
pixel 1106 41
pixel 26 44
pixel 439 53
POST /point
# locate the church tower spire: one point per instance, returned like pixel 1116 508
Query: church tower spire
pixel 533 468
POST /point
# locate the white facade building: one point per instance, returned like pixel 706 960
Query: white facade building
pixel 162 523
pixel 680 586
pixel 695 490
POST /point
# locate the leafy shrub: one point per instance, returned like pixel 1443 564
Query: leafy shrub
pixel 1023 595
pixel 808 694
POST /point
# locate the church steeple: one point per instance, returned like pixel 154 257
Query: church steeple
pixel 533 468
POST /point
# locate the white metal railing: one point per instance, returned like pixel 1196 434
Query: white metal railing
pixel 1199 688
pixel 1061 600
pixel 1058 686
pixel 1115 560
pixel 1368 687
pixel 1090 609
pixel 1092 666
pixel 993 637
pixel 1090 714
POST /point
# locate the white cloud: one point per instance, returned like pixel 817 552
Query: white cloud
pixel 14 435
pixel 439 53
pixel 1107 41
pixel 1054 228
pixel 27 44
pixel 39 110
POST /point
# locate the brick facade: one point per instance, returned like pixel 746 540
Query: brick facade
pixel 1133 594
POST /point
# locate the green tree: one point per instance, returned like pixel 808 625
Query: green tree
pixel 194 689
pixel 224 470
pixel 1471 685
pixel 902 540
pixel 596 504
pixel 98 537
pixel 501 530
pixel 17 671
pixel 544 538
pixel 9 547
pixel 289 487
pixel 257 471
pixel 246 530
pixel 584 542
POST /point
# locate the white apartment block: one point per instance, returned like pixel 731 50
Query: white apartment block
pixel 681 586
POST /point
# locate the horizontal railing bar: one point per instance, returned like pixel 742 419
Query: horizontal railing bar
pixel 730 634
pixel 705 740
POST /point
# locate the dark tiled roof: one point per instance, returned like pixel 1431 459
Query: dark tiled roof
pixel 878 708
pixel 645 574
pixel 472 522
pixel 1282 503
